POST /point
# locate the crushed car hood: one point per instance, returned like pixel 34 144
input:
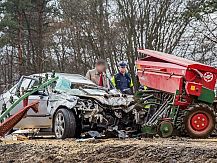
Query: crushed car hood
pixel 114 101
pixel 110 100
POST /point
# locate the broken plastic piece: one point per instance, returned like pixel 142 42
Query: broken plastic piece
pixel 8 124
pixel 94 134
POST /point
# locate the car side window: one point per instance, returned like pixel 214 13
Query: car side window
pixel 13 89
pixel 27 83
pixel 23 85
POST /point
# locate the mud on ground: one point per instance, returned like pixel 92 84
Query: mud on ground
pixel 112 150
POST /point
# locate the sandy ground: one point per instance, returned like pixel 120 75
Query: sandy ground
pixel 110 150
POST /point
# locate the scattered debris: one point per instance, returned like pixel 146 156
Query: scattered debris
pixel 26 132
pixel 93 134
pixel 84 139
pixel 21 137
pixel 122 134
pixel 14 137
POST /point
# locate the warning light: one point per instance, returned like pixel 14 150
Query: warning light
pixel 193 88
pixel 138 66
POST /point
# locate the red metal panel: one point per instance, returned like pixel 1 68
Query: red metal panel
pixel 170 73
pixel 166 67
pixel 193 88
pixel 203 67
pixel 161 81
pixel 9 123
pixel 178 60
pixel 168 57
pixel 190 70
pixel 207 79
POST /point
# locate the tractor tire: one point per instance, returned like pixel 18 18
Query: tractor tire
pixel 64 124
pixel 199 121
pixel 179 125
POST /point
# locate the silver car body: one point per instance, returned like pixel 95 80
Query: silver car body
pixel 60 96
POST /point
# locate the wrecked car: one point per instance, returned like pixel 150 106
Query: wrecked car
pixel 73 105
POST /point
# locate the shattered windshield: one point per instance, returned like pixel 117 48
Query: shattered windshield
pixel 65 85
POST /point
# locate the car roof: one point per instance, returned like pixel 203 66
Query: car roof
pixel 74 78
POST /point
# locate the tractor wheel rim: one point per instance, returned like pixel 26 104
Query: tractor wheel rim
pixel 59 125
pixel 199 121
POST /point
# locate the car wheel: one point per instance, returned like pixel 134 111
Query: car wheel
pixel 64 124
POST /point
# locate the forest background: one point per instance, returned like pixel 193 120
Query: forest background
pixel 70 35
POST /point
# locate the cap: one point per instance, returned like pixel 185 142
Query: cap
pixel 122 64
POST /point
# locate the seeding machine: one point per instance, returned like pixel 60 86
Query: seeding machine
pixel 180 97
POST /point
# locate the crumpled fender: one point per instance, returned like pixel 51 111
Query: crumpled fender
pixel 61 100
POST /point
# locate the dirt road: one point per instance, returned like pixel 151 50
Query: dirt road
pixel 126 151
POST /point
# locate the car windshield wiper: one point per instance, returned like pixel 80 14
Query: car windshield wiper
pixel 80 88
pixel 88 93
pixel 97 87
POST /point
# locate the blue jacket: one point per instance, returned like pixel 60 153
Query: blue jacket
pixel 122 81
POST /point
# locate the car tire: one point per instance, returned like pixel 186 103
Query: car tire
pixel 64 124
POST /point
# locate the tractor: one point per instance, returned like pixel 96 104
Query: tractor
pixel 180 95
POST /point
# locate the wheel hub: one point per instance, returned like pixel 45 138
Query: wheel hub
pixel 59 125
pixel 165 129
pixel 199 121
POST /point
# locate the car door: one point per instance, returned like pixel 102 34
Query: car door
pixel 42 118
pixel 32 119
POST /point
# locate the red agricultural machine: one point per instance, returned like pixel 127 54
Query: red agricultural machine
pixel 180 95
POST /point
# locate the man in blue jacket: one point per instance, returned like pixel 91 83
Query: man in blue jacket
pixel 122 80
